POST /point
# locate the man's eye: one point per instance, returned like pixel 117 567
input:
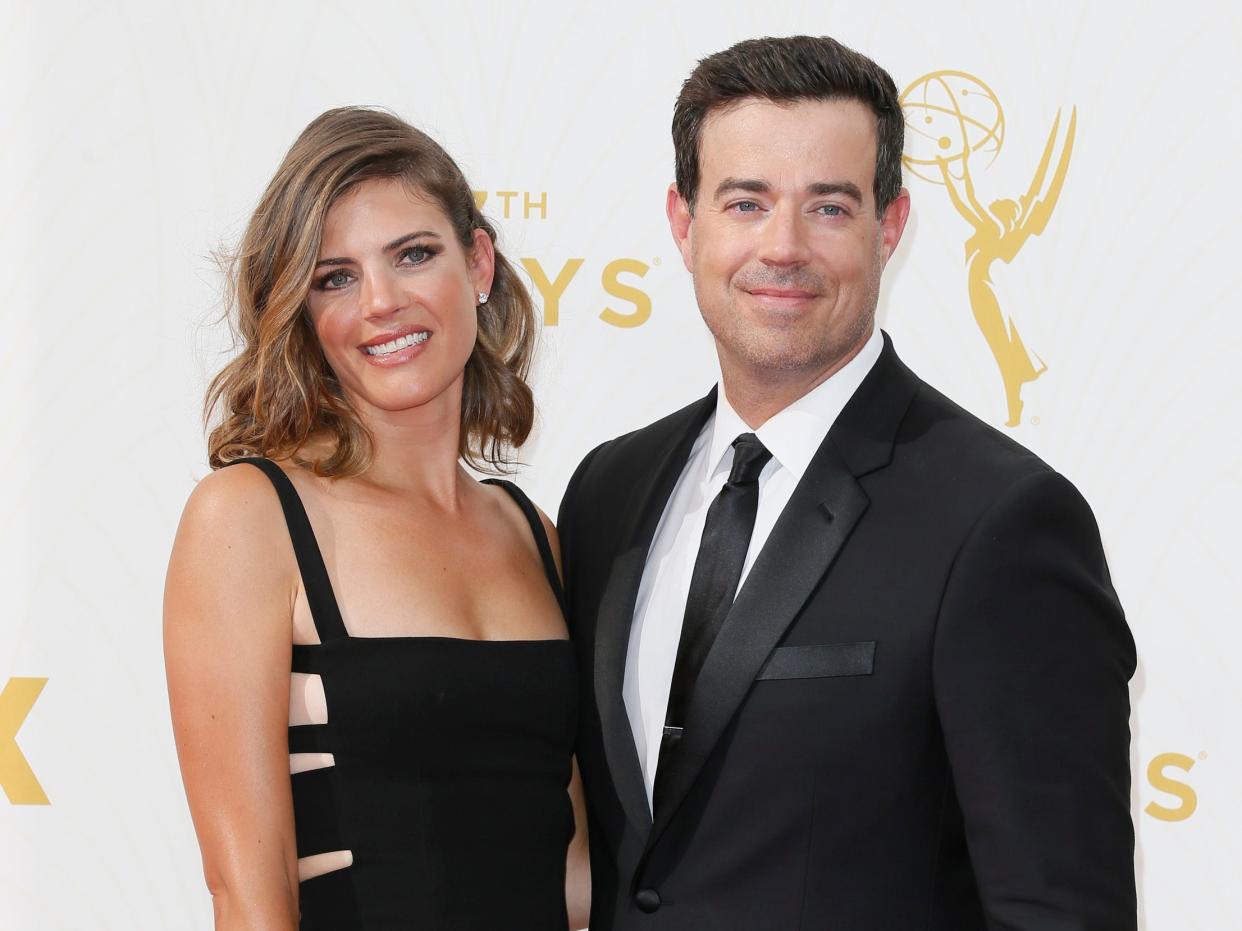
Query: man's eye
pixel 746 206
pixel 832 210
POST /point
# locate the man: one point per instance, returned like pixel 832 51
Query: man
pixel 851 658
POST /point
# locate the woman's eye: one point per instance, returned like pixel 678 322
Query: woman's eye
pixel 333 281
pixel 415 255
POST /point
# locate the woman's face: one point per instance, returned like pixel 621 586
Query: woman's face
pixel 393 297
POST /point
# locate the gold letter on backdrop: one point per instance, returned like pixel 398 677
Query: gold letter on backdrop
pixel 1156 776
pixel 952 116
pixel 551 291
pixel 506 196
pixel 528 205
pixel 16 777
pixel 613 285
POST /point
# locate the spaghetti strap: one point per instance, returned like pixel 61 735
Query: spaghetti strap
pixel 319 595
pixel 540 534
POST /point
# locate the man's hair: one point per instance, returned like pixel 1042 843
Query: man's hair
pixel 787 70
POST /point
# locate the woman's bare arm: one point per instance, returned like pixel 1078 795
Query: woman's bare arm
pixel 227 623
pixel 578 864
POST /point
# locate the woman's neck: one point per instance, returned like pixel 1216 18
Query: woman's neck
pixel 416 452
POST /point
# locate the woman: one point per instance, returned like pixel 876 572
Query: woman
pixel 371 689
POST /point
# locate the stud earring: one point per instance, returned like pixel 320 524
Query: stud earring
pixel 482 297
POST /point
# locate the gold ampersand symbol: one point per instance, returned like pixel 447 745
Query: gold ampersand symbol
pixel 954 118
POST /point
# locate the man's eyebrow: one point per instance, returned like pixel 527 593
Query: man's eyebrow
pixel 825 188
pixel 819 188
pixel 395 244
pixel 749 185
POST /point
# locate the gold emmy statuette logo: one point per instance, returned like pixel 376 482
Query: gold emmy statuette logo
pixel 16 777
pixel 954 119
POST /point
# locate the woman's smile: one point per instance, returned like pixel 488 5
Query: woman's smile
pixel 396 347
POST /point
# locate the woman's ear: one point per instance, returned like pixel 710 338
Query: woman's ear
pixel 482 262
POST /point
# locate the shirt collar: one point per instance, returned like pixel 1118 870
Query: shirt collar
pixel 795 433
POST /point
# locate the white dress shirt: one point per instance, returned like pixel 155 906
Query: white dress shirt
pixel 792 436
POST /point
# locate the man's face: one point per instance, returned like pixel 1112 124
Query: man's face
pixel 784 243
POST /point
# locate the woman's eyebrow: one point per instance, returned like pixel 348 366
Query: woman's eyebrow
pixel 395 244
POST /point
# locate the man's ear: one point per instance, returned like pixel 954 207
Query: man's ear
pixel 893 223
pixel 679 221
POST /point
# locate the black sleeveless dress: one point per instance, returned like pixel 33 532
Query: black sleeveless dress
pixel 452 762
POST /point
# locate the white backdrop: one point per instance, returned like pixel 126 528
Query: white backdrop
pixel 135 137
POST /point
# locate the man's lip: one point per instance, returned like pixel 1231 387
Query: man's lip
pixel 393 334
pixel 786 293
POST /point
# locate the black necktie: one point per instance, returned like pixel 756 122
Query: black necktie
pixel 713 584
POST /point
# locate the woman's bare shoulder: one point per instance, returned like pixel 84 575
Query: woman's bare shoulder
pixel 233 524
pixel 504 500
pixel 238 496
pixel 554 540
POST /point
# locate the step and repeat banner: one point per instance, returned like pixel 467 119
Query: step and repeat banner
pixel 135 138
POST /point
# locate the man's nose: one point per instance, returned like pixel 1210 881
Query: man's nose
pixel 784 238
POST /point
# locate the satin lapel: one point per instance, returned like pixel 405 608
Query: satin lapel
pixel 616 608
pixel 814 525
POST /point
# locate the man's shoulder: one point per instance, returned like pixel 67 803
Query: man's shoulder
pixel 644 446
pixel 904 427
pixel 962 461
pixel 956 434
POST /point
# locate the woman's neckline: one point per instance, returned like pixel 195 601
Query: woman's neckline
pixel 441 639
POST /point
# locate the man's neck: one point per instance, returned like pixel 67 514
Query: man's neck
pixel 760 394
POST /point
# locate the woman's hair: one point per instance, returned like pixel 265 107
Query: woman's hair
pixel 280 392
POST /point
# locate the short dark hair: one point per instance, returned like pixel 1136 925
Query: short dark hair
pixel 789 69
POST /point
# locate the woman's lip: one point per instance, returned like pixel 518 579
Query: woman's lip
pixel 398 357
pixel 391 335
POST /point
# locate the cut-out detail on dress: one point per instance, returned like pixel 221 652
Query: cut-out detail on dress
pixel 305 762
pixel 320 863
pixel 307 704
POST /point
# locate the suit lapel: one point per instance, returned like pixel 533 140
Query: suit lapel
pixel 816 523
pixel 670 450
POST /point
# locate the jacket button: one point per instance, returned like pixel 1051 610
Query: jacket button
pixel 648 900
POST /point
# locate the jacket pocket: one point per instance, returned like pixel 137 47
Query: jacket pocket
pixel 820 661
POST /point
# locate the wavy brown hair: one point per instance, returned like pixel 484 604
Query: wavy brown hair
pixel 279 392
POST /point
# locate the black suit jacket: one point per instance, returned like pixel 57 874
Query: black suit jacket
pixel 915 715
